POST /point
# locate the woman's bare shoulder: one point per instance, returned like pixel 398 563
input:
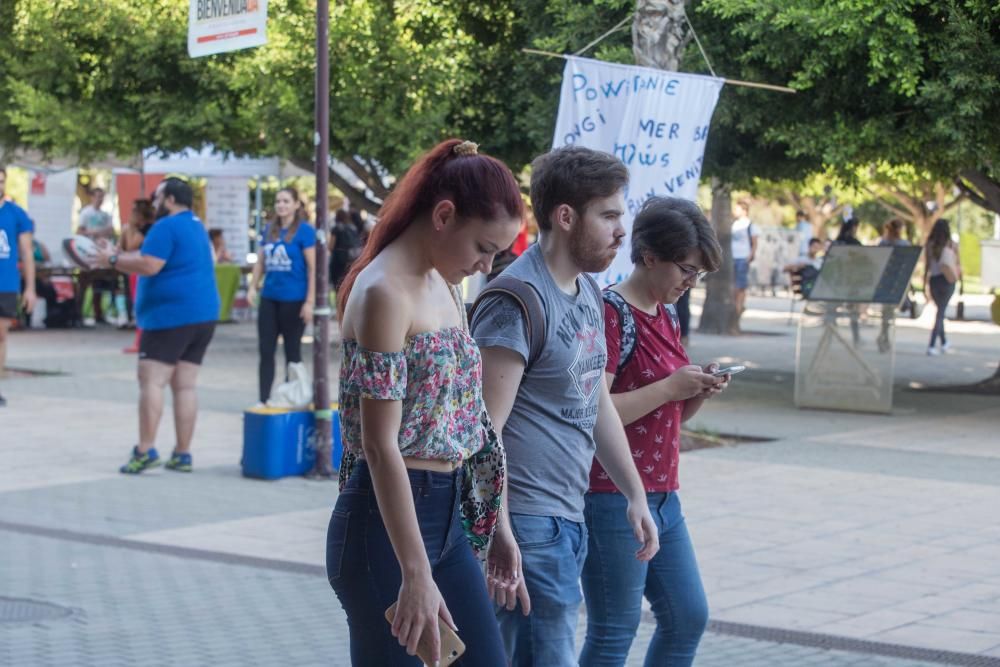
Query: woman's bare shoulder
pixel 378 313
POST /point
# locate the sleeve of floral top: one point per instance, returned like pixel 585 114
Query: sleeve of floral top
pixel 378 375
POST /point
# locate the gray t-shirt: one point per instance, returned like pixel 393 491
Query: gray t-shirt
pixel 549 435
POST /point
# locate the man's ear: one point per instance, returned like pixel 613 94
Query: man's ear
pixel 564 217
pixel 443 214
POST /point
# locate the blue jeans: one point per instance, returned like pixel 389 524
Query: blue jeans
pixel 614 583
pixel 941 293
pixel 552 553
pixel 363 570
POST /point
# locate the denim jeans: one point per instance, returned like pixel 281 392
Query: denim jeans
pixel 614 583
pixel 552 553
pixel 364 573
pixel 941 293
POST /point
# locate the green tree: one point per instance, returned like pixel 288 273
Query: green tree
pixel 910 84
pixel 89 79
pixel 907 84
pixel 396 70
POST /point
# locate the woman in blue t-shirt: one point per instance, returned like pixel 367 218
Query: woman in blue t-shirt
pixel 288 259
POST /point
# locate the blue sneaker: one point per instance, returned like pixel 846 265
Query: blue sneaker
pixel 179 462
pixel 141 461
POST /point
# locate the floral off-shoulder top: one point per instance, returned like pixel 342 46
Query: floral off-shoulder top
pixel 438 378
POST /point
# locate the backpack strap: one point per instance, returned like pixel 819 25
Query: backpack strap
pixel 626 327
pixel 530 301
pixel 595 288
pixel 675 319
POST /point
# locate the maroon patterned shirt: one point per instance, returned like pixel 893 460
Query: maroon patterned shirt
pixel 654 438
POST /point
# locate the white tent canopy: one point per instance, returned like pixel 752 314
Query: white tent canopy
pixel 208 162
pixel 37 161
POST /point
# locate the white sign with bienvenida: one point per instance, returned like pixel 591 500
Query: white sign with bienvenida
pixel 654 121
pixel 217 26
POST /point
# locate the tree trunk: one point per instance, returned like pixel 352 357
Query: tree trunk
pixel 660 33
pixel 819 211
pixel 719 315
pixel 911 205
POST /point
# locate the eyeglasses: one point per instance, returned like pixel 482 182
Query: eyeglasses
pixel 691 272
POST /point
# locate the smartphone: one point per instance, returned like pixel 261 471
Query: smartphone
pixel 452 647
pixel 732 370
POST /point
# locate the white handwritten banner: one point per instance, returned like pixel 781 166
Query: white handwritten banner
pixel 654 121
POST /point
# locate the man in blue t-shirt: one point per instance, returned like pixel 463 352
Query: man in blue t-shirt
pixel 177 305
pixel 15 245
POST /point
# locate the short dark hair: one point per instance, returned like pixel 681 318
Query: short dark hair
pixel 214 233
pixel 669 228
pixel 573 175
pixel 801 214
pixel 3 170
pixel 180 190
pixel 94 191
pixel 815 240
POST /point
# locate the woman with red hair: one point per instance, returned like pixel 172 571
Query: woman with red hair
pixel 413 418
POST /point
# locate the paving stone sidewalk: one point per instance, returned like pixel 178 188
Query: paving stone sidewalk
pixel 136 608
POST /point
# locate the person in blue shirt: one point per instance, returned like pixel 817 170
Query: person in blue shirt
pixel 287 262
pixel 15 245
pixel 177 306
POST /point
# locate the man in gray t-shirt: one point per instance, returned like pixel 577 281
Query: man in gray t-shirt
pixel 556 415
pixel 549 434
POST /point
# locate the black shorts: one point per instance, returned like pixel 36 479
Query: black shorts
pixel 8 305
pixel 187 343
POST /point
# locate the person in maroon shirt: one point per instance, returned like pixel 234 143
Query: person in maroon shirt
pixel 655 388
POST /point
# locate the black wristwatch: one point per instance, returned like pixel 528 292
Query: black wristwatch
pixel 112 260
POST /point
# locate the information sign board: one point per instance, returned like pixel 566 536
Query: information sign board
pixel 863 274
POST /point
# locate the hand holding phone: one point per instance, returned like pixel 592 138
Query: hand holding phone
pixel 687 382
pixel 452 647
pixel 732 370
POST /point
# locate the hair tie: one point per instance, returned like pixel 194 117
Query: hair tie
pixel 466 148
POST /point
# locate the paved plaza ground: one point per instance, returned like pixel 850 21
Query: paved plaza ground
pixel 844 539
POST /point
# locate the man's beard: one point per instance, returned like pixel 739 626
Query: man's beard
pixel 161 211
pixel 589 255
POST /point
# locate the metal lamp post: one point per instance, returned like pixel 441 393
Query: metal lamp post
pixel 323 467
